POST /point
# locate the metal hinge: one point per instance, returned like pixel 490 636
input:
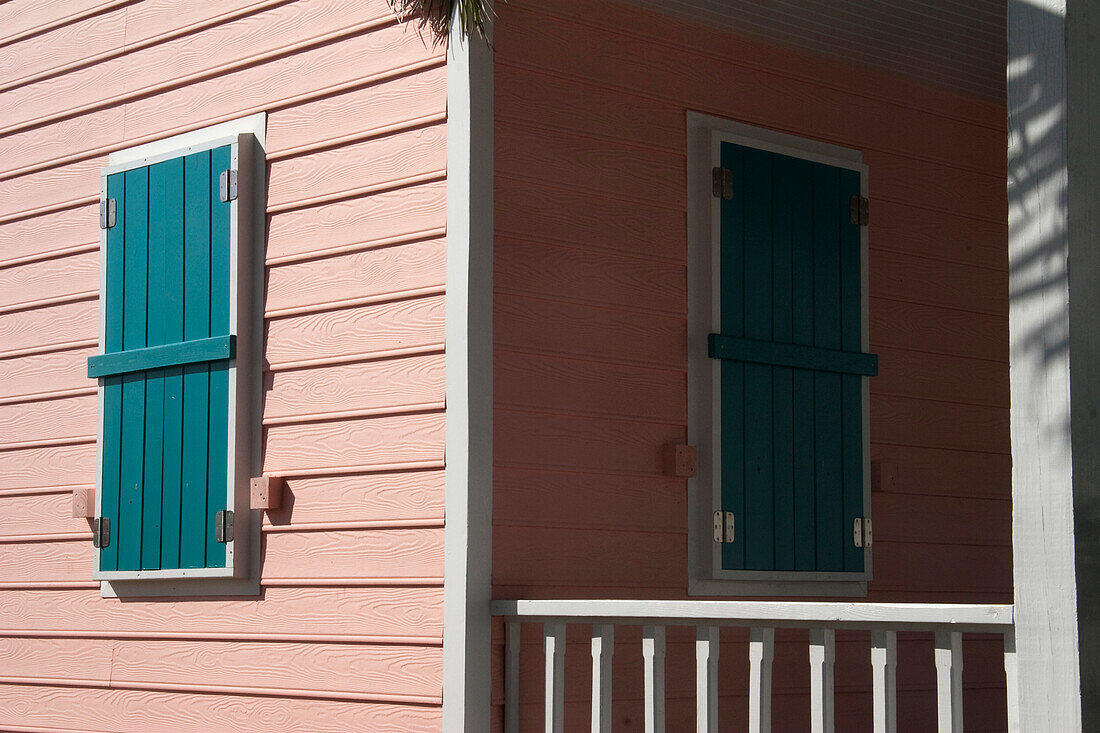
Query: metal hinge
pixel 101 532
pixel 227 185
pixel 223 526
pixel 723 527
pixel 106 213
pixel 721 183
pixel 861 532
pixel 857 210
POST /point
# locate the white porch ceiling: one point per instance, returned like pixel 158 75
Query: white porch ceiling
pixel 956 44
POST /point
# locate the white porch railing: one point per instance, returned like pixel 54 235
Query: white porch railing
pixel 883 620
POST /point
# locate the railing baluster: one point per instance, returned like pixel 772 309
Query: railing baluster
pixel 1012 682
pixel 706 679
pixel 603 647
pixel 653 652
pixel 761 653
pixel 554 642
pixel 949 666
pixel 822 702
pixel 884 660
pixel 511 677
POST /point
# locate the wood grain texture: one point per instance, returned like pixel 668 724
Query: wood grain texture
pixel 907 421
pixel 939 377
pixel 598 501
pixel 379 441
pixel 335 668
pixel 112 31
pixel 581 442
pixel 72 417
pixel 942 519
pixel 372 385
pixel 542 382
pixel 389 102
pixel 583 275
pixel 360 498
pixel 947 472
pixel 54 278
pixel 375 162
pixel 370 273
pixel 610 167
pixel 938 330
pixel 405 611
pixel 57 370
pixel 279 83
pixel 564 215
pixel 49 325
pixel 31 562
pixel 540 556
pixel 937 282
pixel 18 17
pixel 74 659
pixel 383 553
pixel 357 222
pixel 39 514
pixel 59 465
pixel 356 331
pixel 38 235
pixel 533 324
pixel 139 711
pixel 237 41
pixel 52 187
pixel 625 106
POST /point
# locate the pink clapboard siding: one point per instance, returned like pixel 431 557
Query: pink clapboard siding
pixel 347 634
pixel 590 279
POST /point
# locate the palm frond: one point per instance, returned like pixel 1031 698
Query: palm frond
pixel 437 16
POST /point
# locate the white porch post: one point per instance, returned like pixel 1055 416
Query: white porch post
pixel 467 583
pixel 1052 314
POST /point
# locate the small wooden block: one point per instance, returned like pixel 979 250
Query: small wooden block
pixel 83 502
pixel 681 460
pixel 884 476
pixel 267 492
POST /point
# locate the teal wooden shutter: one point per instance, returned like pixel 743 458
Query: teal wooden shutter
pixel 791 364
pixel 165 367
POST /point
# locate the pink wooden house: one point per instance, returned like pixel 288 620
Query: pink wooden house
pixel 661 367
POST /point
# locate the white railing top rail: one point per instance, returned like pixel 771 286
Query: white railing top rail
pixel 772 614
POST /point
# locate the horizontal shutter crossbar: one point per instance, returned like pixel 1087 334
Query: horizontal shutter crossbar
pixel 792 355
pixel 155 357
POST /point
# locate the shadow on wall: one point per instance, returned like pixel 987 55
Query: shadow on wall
pixel 1037 207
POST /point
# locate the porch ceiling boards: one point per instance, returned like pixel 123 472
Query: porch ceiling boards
pixel 955 44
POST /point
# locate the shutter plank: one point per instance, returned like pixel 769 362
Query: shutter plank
pixel 802 331
pixel 160 205
pixel 851 307
pixel 134 322
pixel 110 450
pixel 732 373
pixel 196 377
pixel 827 386
pixel 171 230
pixel 220 291
pixel 758 522
pixel 783 209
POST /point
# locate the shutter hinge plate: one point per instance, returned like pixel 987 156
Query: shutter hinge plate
pixel 106 213
pixel 223 526
pixel 721 183
pixel 858 210
pixel 227 185
pixel 723 527
pixel 101 532
pixel 861 532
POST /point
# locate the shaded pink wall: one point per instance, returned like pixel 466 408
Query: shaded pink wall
pixel 590 333
pixel 347 633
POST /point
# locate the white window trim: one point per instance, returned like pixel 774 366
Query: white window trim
pixel 705 576
pixel 241 576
